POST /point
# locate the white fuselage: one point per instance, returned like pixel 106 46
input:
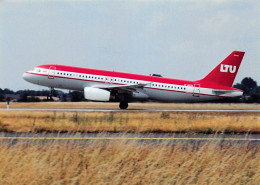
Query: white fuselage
pixel 155 90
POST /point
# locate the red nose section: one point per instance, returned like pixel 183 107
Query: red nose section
pixel 225 73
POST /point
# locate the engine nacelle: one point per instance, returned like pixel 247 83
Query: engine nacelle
pixel 95 94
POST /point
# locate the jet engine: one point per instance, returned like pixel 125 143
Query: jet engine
pixel 95 94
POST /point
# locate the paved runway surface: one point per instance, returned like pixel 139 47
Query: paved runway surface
pixel 14 138
pixel 133 110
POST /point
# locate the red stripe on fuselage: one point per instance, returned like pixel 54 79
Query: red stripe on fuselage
pixel 115 74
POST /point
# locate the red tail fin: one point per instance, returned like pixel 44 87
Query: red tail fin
pixel 225 73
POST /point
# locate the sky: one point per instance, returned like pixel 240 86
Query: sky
pixel 181 39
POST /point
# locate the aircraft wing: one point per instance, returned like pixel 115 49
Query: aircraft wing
pixel 128 88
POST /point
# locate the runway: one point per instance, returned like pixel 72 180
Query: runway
pixel 14 138
pixel 132 110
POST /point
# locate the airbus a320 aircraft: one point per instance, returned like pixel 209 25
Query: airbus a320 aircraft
pixel 100 85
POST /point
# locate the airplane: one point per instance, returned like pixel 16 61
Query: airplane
pixel 105 86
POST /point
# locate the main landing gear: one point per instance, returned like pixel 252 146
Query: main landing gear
pixel 123 105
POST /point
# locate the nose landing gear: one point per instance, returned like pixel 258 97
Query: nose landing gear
pixel 123 105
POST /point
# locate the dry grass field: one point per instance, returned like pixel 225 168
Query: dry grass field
pixel 130 163
pixel 130 121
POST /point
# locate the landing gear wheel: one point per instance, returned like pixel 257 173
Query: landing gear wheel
pixel 123 105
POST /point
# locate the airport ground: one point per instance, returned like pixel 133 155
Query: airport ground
pixel 134 106
pixel 120 161
pixel 141 118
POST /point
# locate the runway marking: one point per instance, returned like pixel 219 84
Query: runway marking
pixel 125 138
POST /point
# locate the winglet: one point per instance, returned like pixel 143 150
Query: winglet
pixel 225 73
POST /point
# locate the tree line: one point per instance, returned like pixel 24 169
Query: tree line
pixel 248 85
pixel 251 90
pixel 34 95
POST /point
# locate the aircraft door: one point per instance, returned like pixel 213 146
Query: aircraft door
pixel 51 73
pixel 196 90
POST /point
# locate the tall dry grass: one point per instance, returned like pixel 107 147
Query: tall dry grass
pixel 129 163
pixel 138 122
